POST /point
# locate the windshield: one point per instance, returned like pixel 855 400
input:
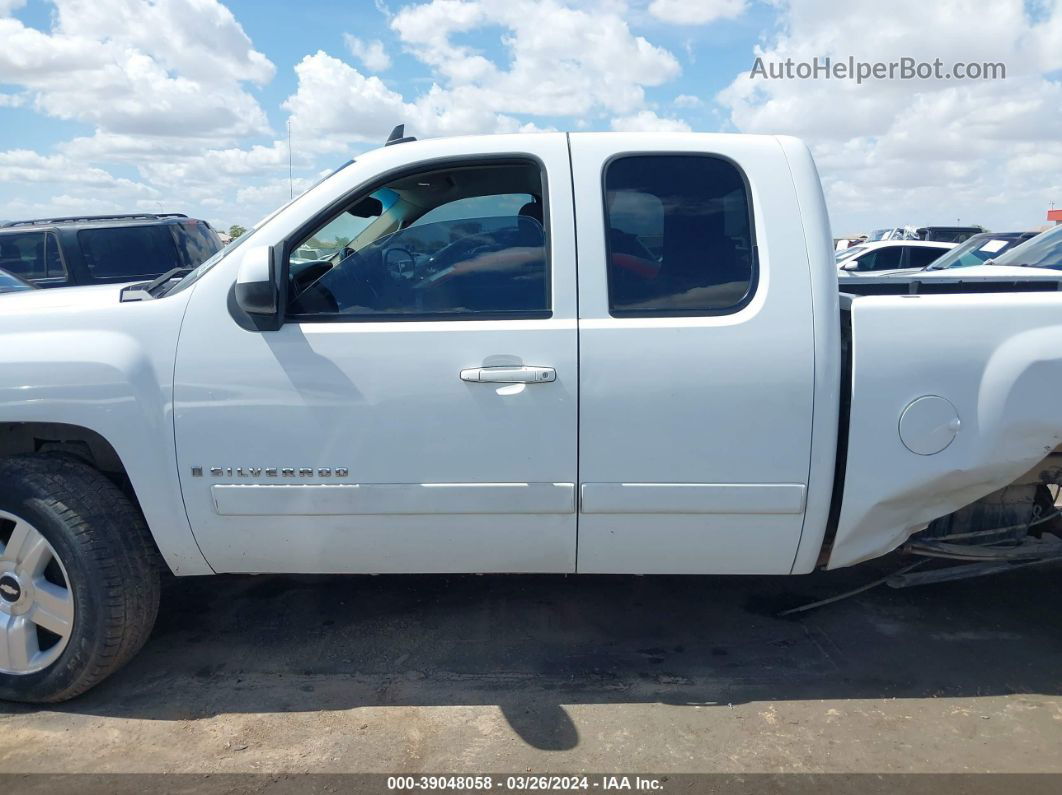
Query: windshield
pixel 11 284
pixel 1042 251
pixel 975 251
pixel 848 252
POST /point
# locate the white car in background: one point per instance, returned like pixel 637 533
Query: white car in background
pixel 1038 256
pixel 877 259
pixel 1006 256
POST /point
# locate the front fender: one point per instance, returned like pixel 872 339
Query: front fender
pixel 107 368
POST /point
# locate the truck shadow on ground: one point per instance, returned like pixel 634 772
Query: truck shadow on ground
pixel 532 644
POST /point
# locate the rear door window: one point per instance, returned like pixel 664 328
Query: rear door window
pixel 680 238
pixel 23 255
pixel 919 257
pixel 881 259
pixel 131 252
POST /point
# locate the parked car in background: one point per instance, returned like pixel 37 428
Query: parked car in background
pixel 9 283
pixel 1042 251
pixel 979 249
pixel 85 250
pixel 841 244
pixel 1040 255
pixel 948 234
pixel 1025 264
pixel 939 234
pixel 890 233
pixel 889 255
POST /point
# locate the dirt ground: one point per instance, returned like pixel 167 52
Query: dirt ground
pixel 566 674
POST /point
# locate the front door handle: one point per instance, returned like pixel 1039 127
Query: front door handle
pixel 509 375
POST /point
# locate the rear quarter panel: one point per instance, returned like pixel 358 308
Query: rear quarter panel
pixel 996 357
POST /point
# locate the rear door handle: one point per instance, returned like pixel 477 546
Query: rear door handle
pixel 509 375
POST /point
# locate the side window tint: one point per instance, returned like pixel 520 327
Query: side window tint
pixel 23 255
pixel 128 251
pixel 886 258
pixel 680 239
pixel 866 262
pixel 920 257
pixel 460 242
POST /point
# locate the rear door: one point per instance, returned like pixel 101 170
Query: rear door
pixel 696 355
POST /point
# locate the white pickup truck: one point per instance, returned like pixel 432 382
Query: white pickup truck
pixel 621 353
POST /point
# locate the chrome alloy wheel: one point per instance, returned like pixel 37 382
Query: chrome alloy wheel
pixel 36 600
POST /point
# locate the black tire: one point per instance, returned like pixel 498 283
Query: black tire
pixel 110 561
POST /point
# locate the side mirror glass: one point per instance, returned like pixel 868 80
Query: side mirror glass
pixel 256 285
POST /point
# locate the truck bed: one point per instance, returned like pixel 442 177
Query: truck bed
pixel 990 360
pixel 914 284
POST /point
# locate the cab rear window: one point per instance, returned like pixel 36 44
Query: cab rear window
pixel 131 251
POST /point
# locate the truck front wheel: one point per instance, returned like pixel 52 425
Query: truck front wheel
pixel 79 590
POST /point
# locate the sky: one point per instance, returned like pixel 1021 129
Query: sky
pixel 185 105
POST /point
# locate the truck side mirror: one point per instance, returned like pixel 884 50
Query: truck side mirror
pixel 257 293
pixel 850 266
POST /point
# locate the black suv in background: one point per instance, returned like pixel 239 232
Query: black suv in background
pixel 948 234
pixel 103 249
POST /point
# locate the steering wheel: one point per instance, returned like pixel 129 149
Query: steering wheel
pixel 349 281
pixel 406 272
pixel 467 248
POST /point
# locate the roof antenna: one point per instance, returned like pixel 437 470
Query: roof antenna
pixel 398 136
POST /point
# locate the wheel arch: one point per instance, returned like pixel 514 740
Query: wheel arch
pixel 96 449
pixel 44 437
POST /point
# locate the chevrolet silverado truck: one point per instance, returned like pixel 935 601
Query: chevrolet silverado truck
pixel 585 353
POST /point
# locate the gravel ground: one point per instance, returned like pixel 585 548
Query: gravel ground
pixel 566 674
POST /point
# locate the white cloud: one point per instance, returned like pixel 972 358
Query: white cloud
pixel 171 68
pixel 696 12
pixel 273 193
pixel 562 60
pixel 648 121
pixel 336 104
pixel 174 117
pixel 687 101
pixel 164 84
pixel 371 53
pixel 27 166
pixel 914 151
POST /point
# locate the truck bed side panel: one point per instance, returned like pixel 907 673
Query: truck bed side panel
pixel 996 358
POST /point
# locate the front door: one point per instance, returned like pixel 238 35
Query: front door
pixel 696 356
pixel 417 410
